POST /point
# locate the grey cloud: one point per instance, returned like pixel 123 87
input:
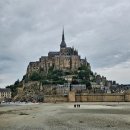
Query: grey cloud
pixel 99 29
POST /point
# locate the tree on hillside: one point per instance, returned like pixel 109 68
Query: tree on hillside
pixel 35 76
pixel 14 87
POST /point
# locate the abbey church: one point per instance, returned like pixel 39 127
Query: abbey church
pixel 67 59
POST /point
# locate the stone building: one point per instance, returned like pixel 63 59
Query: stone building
pixel 5 93
pixel 66 59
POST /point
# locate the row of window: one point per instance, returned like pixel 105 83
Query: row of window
pixel 5 93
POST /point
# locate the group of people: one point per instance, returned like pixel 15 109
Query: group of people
pixel 77 105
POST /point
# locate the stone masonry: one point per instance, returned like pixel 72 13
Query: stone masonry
pixel 66 59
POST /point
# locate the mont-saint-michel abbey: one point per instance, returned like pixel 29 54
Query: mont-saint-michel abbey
pixel 67 59
pixel 64 64
pixel 63 73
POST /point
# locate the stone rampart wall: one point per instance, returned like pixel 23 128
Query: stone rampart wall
pixel 101 98
pixel 56 98
pixel 72 97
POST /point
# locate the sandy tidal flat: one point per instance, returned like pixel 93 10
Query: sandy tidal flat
pixel 63 116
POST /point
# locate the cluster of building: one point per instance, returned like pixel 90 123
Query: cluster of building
pixel 64 89
pixel 102 85
pixel 95 88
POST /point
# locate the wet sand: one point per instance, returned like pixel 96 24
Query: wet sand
pixel 63 116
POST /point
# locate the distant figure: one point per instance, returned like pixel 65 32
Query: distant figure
pixel 78 105
pixel 74 105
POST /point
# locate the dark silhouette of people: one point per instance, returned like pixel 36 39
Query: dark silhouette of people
pixel 77 105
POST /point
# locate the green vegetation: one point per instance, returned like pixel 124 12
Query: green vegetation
pixel 14 87
pixel 84 74
pixel 53 77
pixel 35 76
pixel 81 76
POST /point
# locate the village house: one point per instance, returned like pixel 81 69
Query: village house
pixel 5 93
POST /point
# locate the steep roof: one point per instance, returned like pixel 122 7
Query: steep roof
pixel 5 90
pixel 63 44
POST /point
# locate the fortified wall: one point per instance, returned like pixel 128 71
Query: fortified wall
pixel 84 97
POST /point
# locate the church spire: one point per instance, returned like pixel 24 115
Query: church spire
pixel 63 44
pixel 63 37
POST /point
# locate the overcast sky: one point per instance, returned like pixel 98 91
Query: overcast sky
pixel 99 29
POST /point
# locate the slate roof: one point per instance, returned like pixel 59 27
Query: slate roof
pixel 5 90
